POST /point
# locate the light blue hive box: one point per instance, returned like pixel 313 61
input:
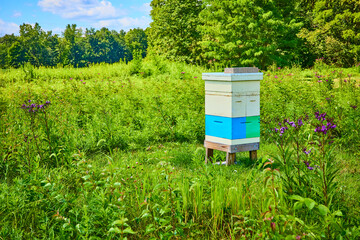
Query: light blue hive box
pixel 232 112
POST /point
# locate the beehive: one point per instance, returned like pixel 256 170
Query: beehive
pixel 232 108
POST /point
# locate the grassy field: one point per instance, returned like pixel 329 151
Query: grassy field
pixel 116 152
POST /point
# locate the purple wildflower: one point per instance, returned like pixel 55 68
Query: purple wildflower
pixel 306 152
pixel 300 122
pixel 307 163
pixel 317 114
pixel 310 168
pixel 275 76
pixel 323 116
pixel 320 117
pixel 282 130
pixel 292 124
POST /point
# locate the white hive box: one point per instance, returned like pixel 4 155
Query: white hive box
pixel 232 106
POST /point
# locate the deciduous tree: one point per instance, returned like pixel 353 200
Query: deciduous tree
pixel 250 32
pixel 334 31
pixel 174 31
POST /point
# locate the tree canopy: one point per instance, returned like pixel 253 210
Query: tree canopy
pixel 256 32
pixel 75 47
pixel 226 32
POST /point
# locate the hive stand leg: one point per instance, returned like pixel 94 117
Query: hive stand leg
pixel 209 155
pixel 230 158
pixel 253 155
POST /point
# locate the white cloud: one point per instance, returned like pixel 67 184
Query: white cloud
pixel 144 8
pixel 70 9
pixel 8 28
pixel 17 14
pixel 124 23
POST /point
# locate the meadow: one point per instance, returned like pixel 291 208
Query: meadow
pixel 115 151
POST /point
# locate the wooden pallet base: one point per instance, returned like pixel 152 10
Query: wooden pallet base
pixel 230 150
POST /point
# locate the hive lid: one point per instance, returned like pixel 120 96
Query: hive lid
pixel 242 70
pixel 235 74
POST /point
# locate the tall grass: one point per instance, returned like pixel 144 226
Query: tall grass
pixel 118 154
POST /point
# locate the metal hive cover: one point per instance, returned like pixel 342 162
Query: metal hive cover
pixel 242 70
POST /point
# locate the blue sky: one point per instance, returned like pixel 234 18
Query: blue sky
pixel 54 15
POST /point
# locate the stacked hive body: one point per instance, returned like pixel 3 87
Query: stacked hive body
pixel 232 109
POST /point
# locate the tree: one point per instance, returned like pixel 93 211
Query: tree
pixel 16 55
pixel 104 46
pixel 250 32
pixel 123 50
pixel 33 38
pixel 173 31
pixel 136 40
pixel 334 31
pixel 5 44
pixel 52 50
pixel 75 45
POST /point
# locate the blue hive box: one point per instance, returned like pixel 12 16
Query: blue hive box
pixel 232 107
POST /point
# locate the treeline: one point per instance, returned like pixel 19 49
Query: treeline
pixel 76 47
pixel 206 32
pixel 257 32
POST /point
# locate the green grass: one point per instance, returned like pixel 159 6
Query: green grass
pixel 120 155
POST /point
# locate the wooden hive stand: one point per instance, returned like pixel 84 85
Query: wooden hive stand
pixel 232 112
pixel 230 151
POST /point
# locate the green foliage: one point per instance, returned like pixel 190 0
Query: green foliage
pixel 334 31
pixel 173 32
pixel 136 39
pixel 256 32
pixel 76 48
pixel 121 156
pixel 250 33
pixel 105 46
pixel 29 71
pixel 15 56
pixel 136 63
